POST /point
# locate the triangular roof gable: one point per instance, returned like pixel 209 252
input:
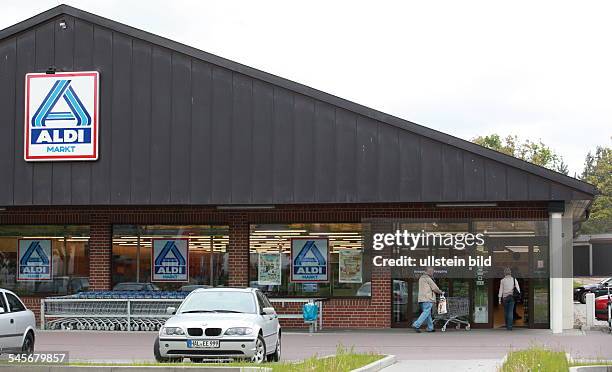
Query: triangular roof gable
pixel 497 176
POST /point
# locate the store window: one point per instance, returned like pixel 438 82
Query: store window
pixel 68 267
pixel 270 260
pixel 132 256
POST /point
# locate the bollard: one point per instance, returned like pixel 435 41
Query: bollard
pixel 590 310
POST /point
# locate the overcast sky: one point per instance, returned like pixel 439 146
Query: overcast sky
pixel 541 70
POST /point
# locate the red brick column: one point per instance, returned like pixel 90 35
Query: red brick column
pixel 100 252
pixel 238 250
pixel 382 296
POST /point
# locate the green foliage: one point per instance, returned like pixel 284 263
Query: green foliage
pixel 535 359
pixel 535 152
pixel 598 171
pixel 345 360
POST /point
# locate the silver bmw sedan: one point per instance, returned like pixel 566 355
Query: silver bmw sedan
pixel 221 323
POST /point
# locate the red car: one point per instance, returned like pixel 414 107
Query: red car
pixel 601 308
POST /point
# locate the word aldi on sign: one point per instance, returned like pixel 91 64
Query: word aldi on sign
pixel 61 116
pixel 35 260
pixel 309 260
pixel 170 260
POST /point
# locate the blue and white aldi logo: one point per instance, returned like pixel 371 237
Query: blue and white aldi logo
pixel 61 116
pixel 170 260
pixel 309 260
pixel 35 260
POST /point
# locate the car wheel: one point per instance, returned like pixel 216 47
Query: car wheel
pixel 159 358
pixel 276 355
pixel 28 344
pixel 260 350
pixel 583 297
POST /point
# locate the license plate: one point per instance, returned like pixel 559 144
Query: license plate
pixel 203 344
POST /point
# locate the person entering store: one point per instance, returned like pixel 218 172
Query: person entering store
pixel 427 298
pixel 508 290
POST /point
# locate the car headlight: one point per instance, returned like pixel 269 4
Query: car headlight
pixel 173 331
pixel 238 331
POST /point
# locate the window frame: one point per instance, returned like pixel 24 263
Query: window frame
pixel 23 307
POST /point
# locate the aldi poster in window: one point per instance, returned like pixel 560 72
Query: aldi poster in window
pixel 35 259
pixel 269 269
pixel 170 260
pixel 349 262
pixel 309 260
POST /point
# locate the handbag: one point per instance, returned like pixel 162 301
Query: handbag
pixel 516 293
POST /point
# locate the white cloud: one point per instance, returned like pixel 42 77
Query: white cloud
pixel 536 69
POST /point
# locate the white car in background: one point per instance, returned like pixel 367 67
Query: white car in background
pixel 17 325
pixel 221 323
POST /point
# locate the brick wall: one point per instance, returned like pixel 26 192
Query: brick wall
pixel 238 255
pixel 100 252
pixel 338 313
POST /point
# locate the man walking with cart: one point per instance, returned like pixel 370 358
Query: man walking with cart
pixel 427 298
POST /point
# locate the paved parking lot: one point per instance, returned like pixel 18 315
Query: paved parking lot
pixel 452 345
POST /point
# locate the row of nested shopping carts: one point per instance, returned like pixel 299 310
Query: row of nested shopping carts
pixel 104 311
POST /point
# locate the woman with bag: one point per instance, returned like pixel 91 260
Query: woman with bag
pixel 509 291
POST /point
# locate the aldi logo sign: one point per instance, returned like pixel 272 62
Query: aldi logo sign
pixel 35 259
pixel 309 260
pixel 61 116
pixel 170 260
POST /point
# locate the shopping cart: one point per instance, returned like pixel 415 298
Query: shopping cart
pixel 458 310
pixel 109 310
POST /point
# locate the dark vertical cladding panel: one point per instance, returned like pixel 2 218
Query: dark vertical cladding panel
pixel 539 188
pixel 304 156
pixel 103 62
pixel 8 65
pixel 346 172
pixel 121 119
pixel 222 135
pixel 201 141
pixel 64 61
pixel 242 131
pixel 495 181
pixel 283 146
pixel 263 136
pixel 161 116
pixel 431 170
pixel 140 180
pixel 517 184
pixel 42 172
pixel 560 192
pixel 367 159
pixel 83 61
pixel 180 132
pixel 23 170
pixel 388 163
pixel 410 166
pixel 325 152
pixel 473 177
pixel 452 174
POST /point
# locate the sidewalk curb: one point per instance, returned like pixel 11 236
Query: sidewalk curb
pixel 377 365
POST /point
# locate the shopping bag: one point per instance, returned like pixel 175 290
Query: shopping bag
pixel 442 305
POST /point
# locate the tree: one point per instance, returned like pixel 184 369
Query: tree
pixel 598 171
pixel 535 152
